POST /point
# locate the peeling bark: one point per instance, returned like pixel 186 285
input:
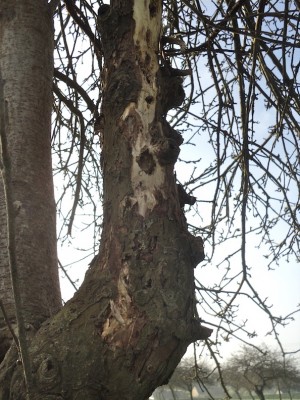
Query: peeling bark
pixel 131 321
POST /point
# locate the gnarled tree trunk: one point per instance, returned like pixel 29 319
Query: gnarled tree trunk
pixel 129 324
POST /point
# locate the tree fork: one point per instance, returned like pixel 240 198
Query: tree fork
pixel 129 324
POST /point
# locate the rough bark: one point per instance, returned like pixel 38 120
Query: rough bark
pixel 128 326
pixel 28 260
pixel 26 47
pixel 6 294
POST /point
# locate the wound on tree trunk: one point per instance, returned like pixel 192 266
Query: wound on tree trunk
pixel 131 321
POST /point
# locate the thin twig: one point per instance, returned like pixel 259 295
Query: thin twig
pixel 11 229
pixel 213 355
pixel 6 319
pixel 67 275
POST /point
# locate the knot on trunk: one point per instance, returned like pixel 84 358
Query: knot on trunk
pixel 184 197
pixel 199 332
pixel 166 140
pixel 47 371
pixel 146 161
pixel 197 250
pixel 171 95
pixel 171 91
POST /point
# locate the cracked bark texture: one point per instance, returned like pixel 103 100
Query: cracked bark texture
pixel 26 47
pixel 26 66
pixel 131 321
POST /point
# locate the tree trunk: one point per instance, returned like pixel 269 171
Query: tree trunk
pixel 250 393
pixel 26 47
pixel 259 392
pixel 278 389
pixel 28 260
pixel 172 391
pixel 130 323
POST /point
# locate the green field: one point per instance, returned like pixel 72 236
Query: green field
pixel 284 396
